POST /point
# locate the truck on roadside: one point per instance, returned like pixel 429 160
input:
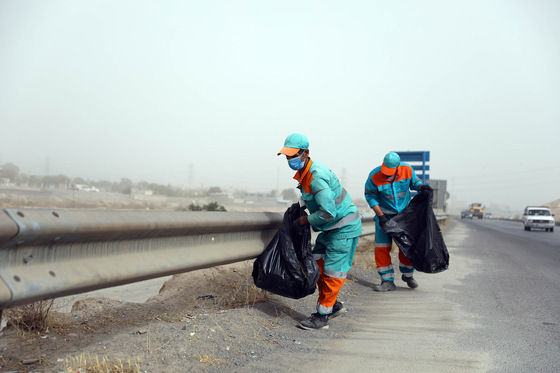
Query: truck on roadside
pixel 477 210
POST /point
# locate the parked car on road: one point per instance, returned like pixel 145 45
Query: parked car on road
pixel 539 217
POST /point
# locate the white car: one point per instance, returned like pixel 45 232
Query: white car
pixel 538 217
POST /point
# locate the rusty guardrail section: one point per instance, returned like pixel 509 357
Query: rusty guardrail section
pixel 52 253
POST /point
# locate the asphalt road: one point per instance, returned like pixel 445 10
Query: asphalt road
pixel 514 292
pixel 496 309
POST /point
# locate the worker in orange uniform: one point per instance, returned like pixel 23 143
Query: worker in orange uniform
pixel 332 212
pixel 387 192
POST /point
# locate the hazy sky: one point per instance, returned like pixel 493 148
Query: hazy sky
pixel 207 91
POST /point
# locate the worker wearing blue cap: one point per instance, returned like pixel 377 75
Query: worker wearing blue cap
pixel 332 212
pixel 387 192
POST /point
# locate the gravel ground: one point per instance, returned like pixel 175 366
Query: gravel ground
pixel 210 320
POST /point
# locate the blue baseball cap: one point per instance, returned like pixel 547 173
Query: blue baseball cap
pixel 293 144
pixel 390 163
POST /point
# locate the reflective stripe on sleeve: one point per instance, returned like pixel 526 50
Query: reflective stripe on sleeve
pixel 319 191
pixel 372 192
pixel 326 216
pixel 340 198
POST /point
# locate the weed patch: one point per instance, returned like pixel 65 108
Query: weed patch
pixel 95 364
pixel 30 317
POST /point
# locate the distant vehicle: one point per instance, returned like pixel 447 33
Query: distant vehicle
pixel 539 217
pixel 477 210
pixel 85 188
pixel 488 215
pixel 466 214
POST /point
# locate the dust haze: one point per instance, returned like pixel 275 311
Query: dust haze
pixel 202 94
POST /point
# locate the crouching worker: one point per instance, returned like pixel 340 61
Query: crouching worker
pixel 332 212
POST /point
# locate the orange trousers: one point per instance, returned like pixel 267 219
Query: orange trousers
pixel 328 289
pixel 383 256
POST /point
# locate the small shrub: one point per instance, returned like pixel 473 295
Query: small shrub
pixel 30 317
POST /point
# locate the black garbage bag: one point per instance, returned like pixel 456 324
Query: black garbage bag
pixel 416 232
pixel 286 267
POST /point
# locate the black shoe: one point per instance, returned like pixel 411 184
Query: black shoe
pixel 337 310
pixel 316 321
pixel 385 286
pixel 410 281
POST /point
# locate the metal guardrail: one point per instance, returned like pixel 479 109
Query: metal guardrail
pixel 52 253
pixel 47 254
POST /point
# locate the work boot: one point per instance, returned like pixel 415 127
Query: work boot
pixel 410 281
pixel 316 321
pixel 337 310
pixel 385 286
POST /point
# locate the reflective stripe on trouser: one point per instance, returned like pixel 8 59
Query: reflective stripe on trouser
pixel 406 270
pixel 334 256
pixel 383 243
pixel 383 262
pixel 328 289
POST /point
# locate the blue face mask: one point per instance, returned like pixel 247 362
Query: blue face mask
pixel 296 163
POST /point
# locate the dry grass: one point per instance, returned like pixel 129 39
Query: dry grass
pixel 242 290
pixel 34 319
pixel 30 317
pixel 211 360
pixel 94 364
pixel 217 288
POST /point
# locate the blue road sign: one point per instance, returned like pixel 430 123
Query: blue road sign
pixel 418 160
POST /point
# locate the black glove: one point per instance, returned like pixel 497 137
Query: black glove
pixel 425 188
pixel 383 221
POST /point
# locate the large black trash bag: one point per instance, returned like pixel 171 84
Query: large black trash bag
pixel 286 267
pixel 416 232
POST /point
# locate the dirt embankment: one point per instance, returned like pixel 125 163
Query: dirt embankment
pixel 203 321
